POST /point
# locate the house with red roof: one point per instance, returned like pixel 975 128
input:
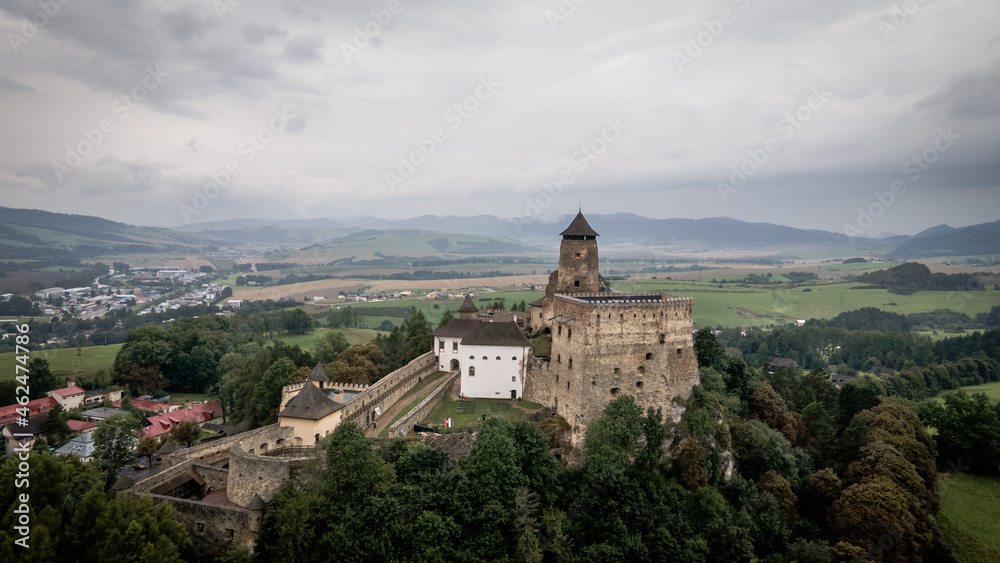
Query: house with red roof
pixel 165 422
pixel 36 407
pixel 80 425
pixel 68 397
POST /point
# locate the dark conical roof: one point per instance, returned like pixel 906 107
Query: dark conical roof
pixel 468 306
pixel 167 448
pixel 310 403
pixel 318 374
pixel 256 503
pixel 579 228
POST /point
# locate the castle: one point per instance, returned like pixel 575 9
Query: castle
pixel 606 344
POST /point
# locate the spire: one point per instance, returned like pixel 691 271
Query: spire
pixel 468 309
pixel 318 374
pixel 579 227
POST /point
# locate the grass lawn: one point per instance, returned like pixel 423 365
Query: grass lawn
pixel 465 413
pixel 970 516
pixel 433 378
pixel 181 398
pixel 992 390
pixel 354 336
pixel 91 360
pixel 714 305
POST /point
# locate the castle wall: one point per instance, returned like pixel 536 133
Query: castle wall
pixel 386 391
pixel 214 528
pixel 403 426
pixel 250 472
pixel 601 351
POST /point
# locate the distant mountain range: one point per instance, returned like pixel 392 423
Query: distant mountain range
pixel 481 234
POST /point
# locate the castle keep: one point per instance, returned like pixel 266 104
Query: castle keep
pixel 606 344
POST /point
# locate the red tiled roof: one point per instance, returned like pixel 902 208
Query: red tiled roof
pixel 146 405
pixel 38 406
pixel 80 425
pixel 163 423
pixel 68 391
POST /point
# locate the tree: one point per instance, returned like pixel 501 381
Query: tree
pixel 708 350
pixel 148 446
pixel 418 335
pixel 55 429
pixel 186 432
pixel 114 443
pixel 298 322
pixel 327 347
pixel 139 362
pixel 446 317
pixel 267 391
pixel 968 430
pixel 42 378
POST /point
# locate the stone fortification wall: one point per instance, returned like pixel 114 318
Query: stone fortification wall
pixel 214 528
pixel 209 453
pixel 404 425
pixel 252 473
pixel 386 391
pixel 626 344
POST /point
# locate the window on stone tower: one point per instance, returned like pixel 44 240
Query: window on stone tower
pixel 616 371
pixel 649 356
pixel 663 338
pixel 638 384
pixel 576 283
pixel 569 334
pixel 614 391
pixel 680 351
pixel 571 363
pixel 641 370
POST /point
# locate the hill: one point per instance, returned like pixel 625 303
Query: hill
pixel 32 233
pixel 946 241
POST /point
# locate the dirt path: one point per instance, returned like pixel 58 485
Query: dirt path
pixel 389 415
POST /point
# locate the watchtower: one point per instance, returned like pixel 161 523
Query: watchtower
pixel 578 268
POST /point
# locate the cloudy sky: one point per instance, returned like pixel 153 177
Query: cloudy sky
pixel 881 116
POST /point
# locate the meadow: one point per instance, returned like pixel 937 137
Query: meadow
pixel 969 514
pixel 779 304
pixel 991 390
pixel 64 361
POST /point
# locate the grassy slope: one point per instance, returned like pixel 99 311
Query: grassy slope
pixel 992 390
pixel 449 408
pixel 93 358
pixel 717 306
pixel 354 336
pixel 970 516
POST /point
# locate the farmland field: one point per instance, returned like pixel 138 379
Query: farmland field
pixel 991 390
pixel 714 305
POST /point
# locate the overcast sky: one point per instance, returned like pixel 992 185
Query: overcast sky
pixel 784 111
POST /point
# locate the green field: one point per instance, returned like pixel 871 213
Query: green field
pixel 490 407
pixel 992 390
pixel 305 341
pixel 970 516
pixel 714 305
pixel 434 308
pixel 92 360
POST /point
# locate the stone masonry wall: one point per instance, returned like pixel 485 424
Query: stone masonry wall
pixel 251 473
pixel 386 391
pixel 602 351
pixel 405 424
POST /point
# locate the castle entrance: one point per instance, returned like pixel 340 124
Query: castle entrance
pixel 454 364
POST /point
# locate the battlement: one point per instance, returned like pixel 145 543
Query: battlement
pixel 621 300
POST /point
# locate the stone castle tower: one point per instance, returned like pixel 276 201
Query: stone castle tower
pixel 607 344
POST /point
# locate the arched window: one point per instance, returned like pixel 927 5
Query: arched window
pixel 649 355
pixel 472 371
pixel 498 357
pixel 472 357
pixel 514 359
pixel 485 358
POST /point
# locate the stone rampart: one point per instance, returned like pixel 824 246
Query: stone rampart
pixel 403 426
pixel 251 473
pixel 386 391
